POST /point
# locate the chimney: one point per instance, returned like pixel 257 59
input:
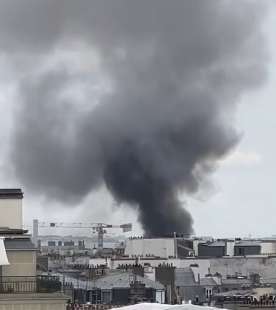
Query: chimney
pixel 11 208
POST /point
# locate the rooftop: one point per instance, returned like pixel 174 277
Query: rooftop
pixel 214 244
pixel 122 280
pixel 185 277
pixel 248 243
pixel 19 244
pixel 234 281
pixel 234 293
pixel 12 231
pixel 208 281
pixel 113 280
pixel 11 193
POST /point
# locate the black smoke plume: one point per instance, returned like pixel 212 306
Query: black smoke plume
pixel 147 109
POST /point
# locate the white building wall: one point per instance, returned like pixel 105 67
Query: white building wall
pixel 11 213
pixel 268 248
pixel 99 261
pixel 195 246
pixel 161 247
pixel 149 273
pixel 3 254
pixel 160 297
pixel 230 246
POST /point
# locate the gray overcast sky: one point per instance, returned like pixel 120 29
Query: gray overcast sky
pixel 245 201
pixel 241 201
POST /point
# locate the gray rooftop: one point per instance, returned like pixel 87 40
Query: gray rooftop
pixel 11 231
pixel 235 293
pixel 248 243
pixel 19 244
pixel 208 281
pixel 114 280
pixel 184 277
pixel 122 280
pixel 268 280
pixel 215 243
pixel 239 281
pixel 11 193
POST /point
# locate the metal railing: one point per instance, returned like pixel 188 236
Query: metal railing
pixel 91 307
pixel 24 285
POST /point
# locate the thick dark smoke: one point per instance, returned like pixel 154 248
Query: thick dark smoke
pixel 152 114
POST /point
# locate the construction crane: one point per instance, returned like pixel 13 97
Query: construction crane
pixel 99 228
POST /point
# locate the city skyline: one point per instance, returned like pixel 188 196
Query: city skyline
pixel 240 198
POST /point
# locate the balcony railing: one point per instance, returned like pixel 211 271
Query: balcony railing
pixel 24 285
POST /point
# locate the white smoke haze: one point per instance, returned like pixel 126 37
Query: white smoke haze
pixel 136 95
pixel 155 306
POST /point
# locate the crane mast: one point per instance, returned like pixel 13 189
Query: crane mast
pixel 101 233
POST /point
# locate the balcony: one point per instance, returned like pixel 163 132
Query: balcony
pixel 27 285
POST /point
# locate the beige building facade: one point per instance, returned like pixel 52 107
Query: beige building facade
pixel 11 213
pixel 33 302
pixel 22 262
pixel 20 286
